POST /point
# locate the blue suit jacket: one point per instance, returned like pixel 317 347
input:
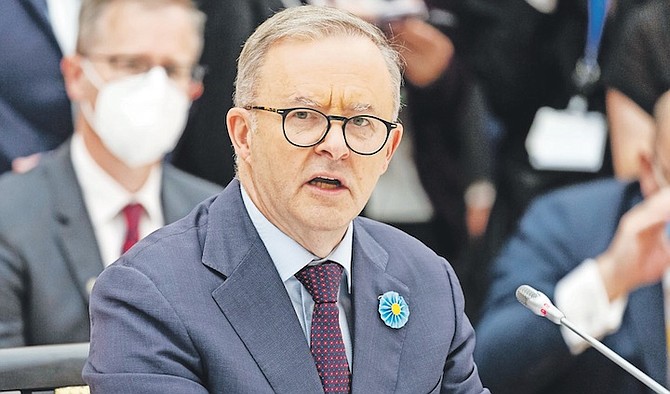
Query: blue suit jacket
pixel 519 352
pixel 35 114
pixel 199 306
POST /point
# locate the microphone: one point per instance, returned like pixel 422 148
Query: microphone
pixel 540 304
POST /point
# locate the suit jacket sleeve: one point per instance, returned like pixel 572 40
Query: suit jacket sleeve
pixel 159 356
pixel 460 371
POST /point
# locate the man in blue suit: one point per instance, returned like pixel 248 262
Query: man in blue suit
pixel 601 251
pixel 275 285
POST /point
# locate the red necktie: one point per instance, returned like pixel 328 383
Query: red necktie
pixel 132 214
pixel 323 282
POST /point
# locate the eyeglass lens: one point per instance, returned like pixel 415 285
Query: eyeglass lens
pixel 363 134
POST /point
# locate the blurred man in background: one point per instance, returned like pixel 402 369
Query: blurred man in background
pixel 133 77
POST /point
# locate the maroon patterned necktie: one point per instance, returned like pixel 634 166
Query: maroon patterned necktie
pixel 132 214
pixel 323 282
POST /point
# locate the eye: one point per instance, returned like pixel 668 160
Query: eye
pixel 360 121
pixel 302 115
pixel 130 64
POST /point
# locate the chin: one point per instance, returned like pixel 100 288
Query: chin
pixel 328 219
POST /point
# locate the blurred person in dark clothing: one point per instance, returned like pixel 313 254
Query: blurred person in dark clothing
pixel 204 149
pixel 636 75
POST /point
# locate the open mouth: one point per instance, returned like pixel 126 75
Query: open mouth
pixel 325 183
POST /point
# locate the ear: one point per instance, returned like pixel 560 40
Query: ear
pixel 75 81
pixel 392 145
pixel 239 125
pixel 648 182
pixel 195 90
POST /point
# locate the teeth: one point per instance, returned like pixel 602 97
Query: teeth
pixel 325 183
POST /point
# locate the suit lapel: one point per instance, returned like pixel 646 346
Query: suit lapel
pixel 376 347
pixel 74 231
pixel 253 298
pixel 646 313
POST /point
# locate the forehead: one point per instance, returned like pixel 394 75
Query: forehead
pixel 340 72
pixel 165 30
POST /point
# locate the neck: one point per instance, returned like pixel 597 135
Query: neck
pixel 131 179
pixel 320 242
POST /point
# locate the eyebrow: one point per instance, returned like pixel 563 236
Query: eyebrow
pixel 361 107
pixel 305 101
pixel 356 107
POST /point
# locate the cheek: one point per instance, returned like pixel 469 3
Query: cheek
pixel 368 174
pixel 271 160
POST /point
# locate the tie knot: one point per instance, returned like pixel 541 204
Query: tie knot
pixel 132 213
pixel 321 281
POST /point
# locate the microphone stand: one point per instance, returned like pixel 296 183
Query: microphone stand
pixel 607 352
pixel 540 305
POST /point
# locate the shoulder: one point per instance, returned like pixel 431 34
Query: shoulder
pixel 391 239
pixel 189 183
pixel 408 259
pixel 570 224
pixel 25 194
pixel 215 222
pixel 602 195
pixel 173 243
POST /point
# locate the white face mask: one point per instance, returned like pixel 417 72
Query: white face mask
pixel 139 118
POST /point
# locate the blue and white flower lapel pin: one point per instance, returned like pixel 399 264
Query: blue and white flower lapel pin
pixel 393 309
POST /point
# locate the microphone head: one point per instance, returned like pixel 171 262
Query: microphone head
pixel 538 303
pixel 524 293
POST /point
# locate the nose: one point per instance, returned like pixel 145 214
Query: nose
pixel 333 143
pixel 157 71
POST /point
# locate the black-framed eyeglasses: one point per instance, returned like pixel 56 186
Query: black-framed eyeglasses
pixel 127 65
pixel 307 127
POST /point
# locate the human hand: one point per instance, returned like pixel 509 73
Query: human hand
pixel 476 220
pixel 479 198
pixel 426 50
pixel 26 163
pixel 639 253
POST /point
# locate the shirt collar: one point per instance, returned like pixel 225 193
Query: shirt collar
pixel 289 256
pixel 103 196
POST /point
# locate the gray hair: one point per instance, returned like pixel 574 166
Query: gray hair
pixel 92 10
pixel 307 23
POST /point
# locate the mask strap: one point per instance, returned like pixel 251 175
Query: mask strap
pixel 92 74
pixel 89 114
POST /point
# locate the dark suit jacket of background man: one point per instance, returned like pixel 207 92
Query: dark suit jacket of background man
pixel 220 319
pixel 48 250
pixel 519 352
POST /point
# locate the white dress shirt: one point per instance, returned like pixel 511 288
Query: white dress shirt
pixel 582 296
pixel 289 257
pixel 105 199
pixel 64 19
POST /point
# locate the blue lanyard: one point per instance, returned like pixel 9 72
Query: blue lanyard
pixel 597 16
pixel 587 71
